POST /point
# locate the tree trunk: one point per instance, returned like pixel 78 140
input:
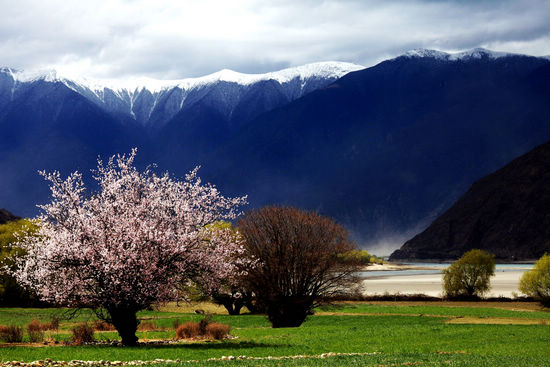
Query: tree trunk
pixel 231 303
pixel 252 304
pixel 126 323
pixel 288 311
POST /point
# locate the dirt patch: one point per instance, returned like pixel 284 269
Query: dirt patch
pixel 207 307
pixel 141 342
pixel 452 319
pixel 515 306
pixel 377 314
pixel 34 345
pixel 496 321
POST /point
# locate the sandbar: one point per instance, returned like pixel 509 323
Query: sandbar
pixel 504 283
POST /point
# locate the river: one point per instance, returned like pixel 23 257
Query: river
pixel 413 278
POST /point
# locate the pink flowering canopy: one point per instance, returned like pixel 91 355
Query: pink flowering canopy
pixel 132 243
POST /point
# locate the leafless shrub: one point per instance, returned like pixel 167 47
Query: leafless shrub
pixel 11 334
pixel 202 329
pixel 100 325
pixel 188 330
pixel 298 253
pixel 217 331
pixel 203 324
pixel 82 333
pixel 147 326
pixel 35 329
pixel 54 324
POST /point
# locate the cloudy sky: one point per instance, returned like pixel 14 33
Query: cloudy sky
pixel 186 38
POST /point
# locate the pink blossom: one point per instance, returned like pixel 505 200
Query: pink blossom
pixel 131 243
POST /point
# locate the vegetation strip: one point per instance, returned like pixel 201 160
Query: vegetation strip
pixel 49 362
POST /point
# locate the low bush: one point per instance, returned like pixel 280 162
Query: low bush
pixel 54 324
pixel 217 331
pixel 176 324
pixel 82 333
pixel 100 325
pixel 203 329
pixel 203 324
pixel 188 330
pixel 35 325
pixel 147 326
pixel 35 329
pixel 11 334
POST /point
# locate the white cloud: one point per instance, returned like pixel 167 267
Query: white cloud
pixel 175 39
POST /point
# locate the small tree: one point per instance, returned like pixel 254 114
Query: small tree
pixel 360 256
pixel 11 293
pixel 129 245
pixel 470 275
pixel 297 263
pixel 232 292
pixel 536 282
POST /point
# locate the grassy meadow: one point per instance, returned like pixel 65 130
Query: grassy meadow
pixel 393 333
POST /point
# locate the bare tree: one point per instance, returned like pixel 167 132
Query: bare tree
pixel 296 261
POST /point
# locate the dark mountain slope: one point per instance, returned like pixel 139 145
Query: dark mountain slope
pixel 204 123
pixel 505 213
pixel 388 148
pixel 6 216
pixel 51 122
pixel 50 127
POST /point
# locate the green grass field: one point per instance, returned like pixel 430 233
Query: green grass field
pixel 399 334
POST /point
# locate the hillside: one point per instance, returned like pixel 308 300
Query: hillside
pixel 49 121
pixel 505 213
pixel 387 149
pixel 6 216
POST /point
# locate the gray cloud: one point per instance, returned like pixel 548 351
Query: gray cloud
pixel 175 39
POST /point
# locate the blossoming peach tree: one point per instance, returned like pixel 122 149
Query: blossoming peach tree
pixel 130 244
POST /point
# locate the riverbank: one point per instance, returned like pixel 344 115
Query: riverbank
pixel 410 279
pixel 398 267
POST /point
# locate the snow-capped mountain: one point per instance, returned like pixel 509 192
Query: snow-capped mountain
pixel 154 102
pixel 388 148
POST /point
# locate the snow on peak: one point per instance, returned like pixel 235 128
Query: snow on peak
pixel 422 52
pixel 476 53
pixel 26 76
pixel 141 97
pixel 328 69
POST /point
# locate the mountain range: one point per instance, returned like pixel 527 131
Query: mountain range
pixel 152 103
pixel 384 149
pixel 54 122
